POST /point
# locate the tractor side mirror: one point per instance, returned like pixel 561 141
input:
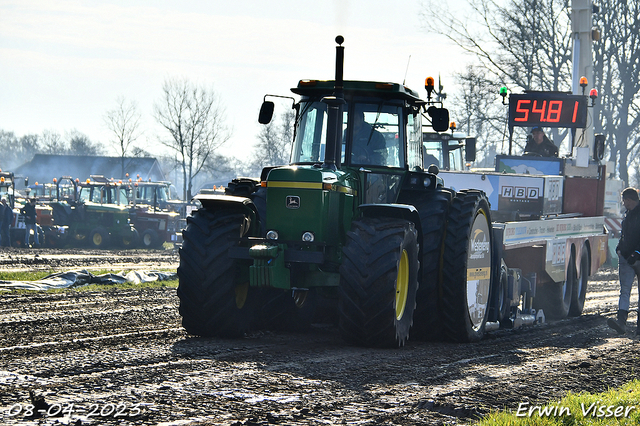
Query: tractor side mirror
pixel 439 118
pixel 470 150
pixel 266 112
pixel 598 147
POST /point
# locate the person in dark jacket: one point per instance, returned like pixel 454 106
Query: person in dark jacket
pixel 628 250
pixel 7 220
pixel 540 144
pixel 29 212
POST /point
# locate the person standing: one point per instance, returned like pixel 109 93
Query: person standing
pixel 628 250
pixel 7 220
pixel 29 212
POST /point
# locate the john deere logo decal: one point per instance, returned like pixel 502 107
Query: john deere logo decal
pixel 293 202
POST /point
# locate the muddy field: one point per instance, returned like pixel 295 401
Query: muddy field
pixel 121 357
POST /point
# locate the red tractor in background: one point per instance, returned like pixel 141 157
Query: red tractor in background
pixel 151 212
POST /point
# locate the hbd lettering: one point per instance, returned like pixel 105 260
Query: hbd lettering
pixel 520 192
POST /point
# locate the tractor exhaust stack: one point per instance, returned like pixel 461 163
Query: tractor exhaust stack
pixel 335 105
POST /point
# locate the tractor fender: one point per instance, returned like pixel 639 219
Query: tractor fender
pixel 214 202
pixel 398 211
pixel 222 202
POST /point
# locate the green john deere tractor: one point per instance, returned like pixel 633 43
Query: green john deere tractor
pixel 354 223
pixel 90 214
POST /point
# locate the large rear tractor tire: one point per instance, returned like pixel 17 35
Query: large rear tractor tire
pixel 554 298
pixel 213 300
pixel 378 282
pixel 579 294
pixel 433 210
pixel 467 265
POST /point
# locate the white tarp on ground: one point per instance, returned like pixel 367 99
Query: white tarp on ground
pixel 83 277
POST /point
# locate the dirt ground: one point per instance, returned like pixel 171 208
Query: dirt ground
pixel 121 357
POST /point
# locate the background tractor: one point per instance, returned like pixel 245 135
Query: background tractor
pixel 155 216
pixel 90 215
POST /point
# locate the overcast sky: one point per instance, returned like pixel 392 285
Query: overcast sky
pixel 64 63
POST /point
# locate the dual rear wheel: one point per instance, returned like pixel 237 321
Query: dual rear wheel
pixel 566 298
pixel 467 264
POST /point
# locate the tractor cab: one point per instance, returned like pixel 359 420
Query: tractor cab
pixel 448 151
pixel 152 194
pixel 372 127
pixel 378 134
pixel 99 190
pixel 152 212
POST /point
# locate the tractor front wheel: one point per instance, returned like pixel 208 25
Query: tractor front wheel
pixel 378 282
pixel 214 301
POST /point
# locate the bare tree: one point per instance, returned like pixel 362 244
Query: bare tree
pixel 194 119
pixel 17 150
pixel 476 112
pixel 80 144
pixel 617 73
pixel 524 45
pixel 8 143
pixel 124 123
pixel 218 167
pixel 52 143
pixel 527 44
pixel 274 142
pixel 28 145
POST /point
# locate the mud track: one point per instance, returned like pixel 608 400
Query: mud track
pixel 121 357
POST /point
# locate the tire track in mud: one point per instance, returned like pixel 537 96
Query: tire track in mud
pixel 127 347
pixel 14 259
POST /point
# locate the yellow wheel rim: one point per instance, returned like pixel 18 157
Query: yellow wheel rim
pixel 97 239
pixel 241 294
pixel 402 285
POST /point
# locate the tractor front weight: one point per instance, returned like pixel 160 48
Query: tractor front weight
pixel 268 269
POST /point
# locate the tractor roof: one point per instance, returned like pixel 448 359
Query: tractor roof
pixel 315 88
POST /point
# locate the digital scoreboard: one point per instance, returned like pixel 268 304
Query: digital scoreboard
pixel 547 109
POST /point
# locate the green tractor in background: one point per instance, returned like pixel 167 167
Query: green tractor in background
pixel 92 213
pixel 354 221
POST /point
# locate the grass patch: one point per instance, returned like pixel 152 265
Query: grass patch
pixel 24 276
pixel 616 406
pixel 37 275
